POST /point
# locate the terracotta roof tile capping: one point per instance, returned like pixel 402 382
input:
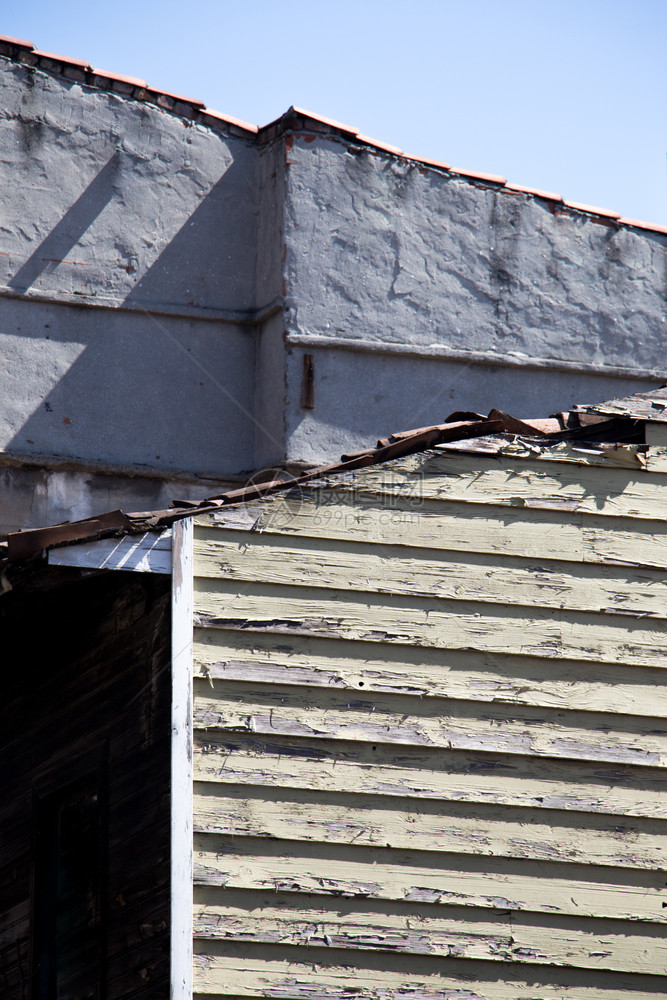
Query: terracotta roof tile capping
pixel 604 425
pixel 295 119
pixel 131 81
pixel 547 195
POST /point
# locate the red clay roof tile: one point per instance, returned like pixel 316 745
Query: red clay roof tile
pixel 20 42
pixel 636 224
pixel 478 176
pixel 384 146
pixel 177 97
pixel 132 81
pixel 548 195
pixel 593 210
pixel 66 60
pixel 438 164
pixel 229 120
pixel 341 126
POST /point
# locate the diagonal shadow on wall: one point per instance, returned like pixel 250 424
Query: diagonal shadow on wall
pixel 211 261
pixel 67 233
pixel 159 390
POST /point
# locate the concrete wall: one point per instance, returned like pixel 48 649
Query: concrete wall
pixel 128 270
pixel 421 292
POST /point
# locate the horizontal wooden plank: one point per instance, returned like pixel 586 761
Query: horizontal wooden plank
pixel 520 481
pixel 623 456
pixel 386 569
pixel 530 532
pixel 418 824
pixel 645 545
pixel 244 655
pixel 292 973
pixel 395 719
pixel 280 919
pixel 447 775
pixel 350 870
pixel 425 621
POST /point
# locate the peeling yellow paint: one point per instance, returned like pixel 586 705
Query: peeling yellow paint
pixel 396 570
pixel 452 827
pixel 397 720
pixel 466 675
pixel 499 936
pixel 434 622
pixel 430 743
pixel 515 530
pixel 239 970
pixel 264 758
pixel 506 884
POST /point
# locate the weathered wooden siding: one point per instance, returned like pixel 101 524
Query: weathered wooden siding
pixel 430 746
pixel 86 684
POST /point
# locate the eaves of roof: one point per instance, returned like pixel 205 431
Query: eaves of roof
pixel 295 120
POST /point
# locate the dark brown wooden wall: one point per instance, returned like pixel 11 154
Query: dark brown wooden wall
pixel 84 685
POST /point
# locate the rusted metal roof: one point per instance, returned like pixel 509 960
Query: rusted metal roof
pixel 577 424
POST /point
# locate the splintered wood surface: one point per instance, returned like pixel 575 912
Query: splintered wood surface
pixel 431 734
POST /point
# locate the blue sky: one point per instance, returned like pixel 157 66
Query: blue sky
pixel 568 97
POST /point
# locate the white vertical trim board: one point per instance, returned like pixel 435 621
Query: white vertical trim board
pixel 181 761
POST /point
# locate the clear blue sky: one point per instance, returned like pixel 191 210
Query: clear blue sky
pixel 561 95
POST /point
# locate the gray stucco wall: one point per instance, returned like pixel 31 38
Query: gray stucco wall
pixel 389 250
pixel 421 292
pixel 128 265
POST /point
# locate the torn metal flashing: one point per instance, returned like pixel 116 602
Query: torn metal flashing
pixel 604 426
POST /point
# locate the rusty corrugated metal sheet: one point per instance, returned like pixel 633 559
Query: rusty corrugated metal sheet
pixel 23 544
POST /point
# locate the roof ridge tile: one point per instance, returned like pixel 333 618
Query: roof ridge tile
pixel 592 209
pixel 229 120
pixel 478 175
pixel 332 122
pixel 65 60
pixel 180 98
pixel 536 192
pixel 428 162
pixel 20 43
pixel 653 227
pixel 376 144
pixel 132 81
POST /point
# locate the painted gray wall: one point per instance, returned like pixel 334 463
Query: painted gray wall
pixel 128 268
pixel 161 281
pixel 35 493
pixel 366 396
pixel 388 250
pixel 421 293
